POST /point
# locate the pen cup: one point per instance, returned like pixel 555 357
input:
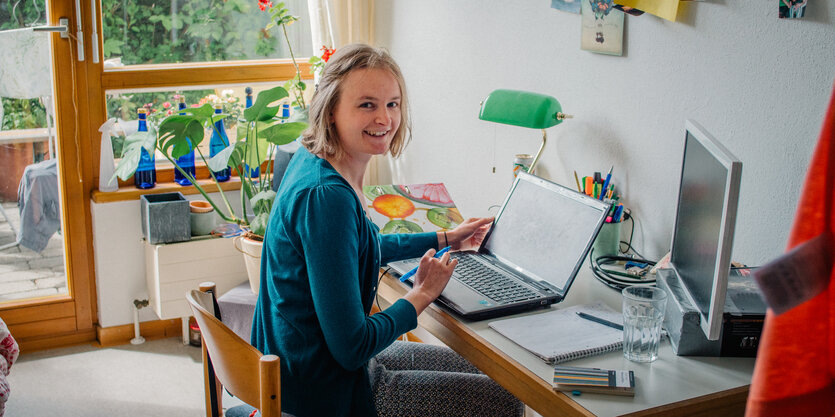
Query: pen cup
pixel 522 162
pixel 607 240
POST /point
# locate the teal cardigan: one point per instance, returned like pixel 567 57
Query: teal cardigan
pixel 319 274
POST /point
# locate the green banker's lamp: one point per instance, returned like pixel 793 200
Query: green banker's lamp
pixel 525 109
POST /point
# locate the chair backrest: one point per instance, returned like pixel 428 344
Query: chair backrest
pixel 241 368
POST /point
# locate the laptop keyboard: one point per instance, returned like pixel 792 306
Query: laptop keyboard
pixel 490 283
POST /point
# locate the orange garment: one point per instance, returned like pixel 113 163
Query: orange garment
pixel 795 370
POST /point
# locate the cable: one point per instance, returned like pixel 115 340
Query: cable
pixel 376 293
pixel 75 113
pixel 615 279
pixel 629 247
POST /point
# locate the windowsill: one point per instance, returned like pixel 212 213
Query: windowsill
pixel 130 192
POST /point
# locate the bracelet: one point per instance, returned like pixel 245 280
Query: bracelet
pixel 446 242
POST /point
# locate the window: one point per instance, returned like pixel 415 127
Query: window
pixel 139 32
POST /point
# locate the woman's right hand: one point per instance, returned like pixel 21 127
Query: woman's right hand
pixel 431 278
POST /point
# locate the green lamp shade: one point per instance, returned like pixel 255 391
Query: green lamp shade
pixel 521 108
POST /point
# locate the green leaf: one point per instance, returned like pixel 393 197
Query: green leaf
pixel 256 150
pixel 266 196
pixel 236 158
pixel 204 112
pixel 261 110
pixel 240 129
pixel 258 225
pixel 132 151
pixel 216 117
pixel 176 131
pixel 282 133
pixel 221 160
pixel 127 165
pixel 112 47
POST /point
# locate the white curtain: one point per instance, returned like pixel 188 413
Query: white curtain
pixel 26 71
pixel 336 23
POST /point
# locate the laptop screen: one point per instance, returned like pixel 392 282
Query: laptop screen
pixel 544 230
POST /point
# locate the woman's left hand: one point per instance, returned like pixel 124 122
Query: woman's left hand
pixel 470 234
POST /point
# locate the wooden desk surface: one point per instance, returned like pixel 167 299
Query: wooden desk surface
pixel 672 385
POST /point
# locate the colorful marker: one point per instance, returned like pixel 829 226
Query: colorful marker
pixel 414 270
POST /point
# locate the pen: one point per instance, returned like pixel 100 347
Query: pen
pixel 599 320
pixel 618 211
pixel 606 183
pixel 412 272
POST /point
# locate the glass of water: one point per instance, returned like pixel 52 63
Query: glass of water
pixel 643 313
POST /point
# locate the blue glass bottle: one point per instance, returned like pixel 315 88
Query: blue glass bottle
pixel 218 143
pixel 186 162
pixel 253 173
pixel 146 173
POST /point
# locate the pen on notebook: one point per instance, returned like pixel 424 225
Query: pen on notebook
pixel 414 270
pixel 606 183
pixel 599 320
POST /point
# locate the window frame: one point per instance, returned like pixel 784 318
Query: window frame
pixel 173 76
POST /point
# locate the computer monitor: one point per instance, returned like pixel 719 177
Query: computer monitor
pixel 704 228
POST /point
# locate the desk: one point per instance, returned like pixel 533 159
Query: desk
pixel 672 385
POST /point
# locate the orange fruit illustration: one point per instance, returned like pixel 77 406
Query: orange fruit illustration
pixel 393 206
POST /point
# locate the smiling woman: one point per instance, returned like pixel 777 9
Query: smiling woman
pixel 326 253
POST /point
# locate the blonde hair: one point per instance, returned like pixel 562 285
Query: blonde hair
pixel 321 136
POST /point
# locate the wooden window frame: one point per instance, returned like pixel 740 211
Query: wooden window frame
pixel 173 76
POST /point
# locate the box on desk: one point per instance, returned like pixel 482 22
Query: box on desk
pixel 742 321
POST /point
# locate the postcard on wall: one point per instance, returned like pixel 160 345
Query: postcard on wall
pixel 792 9
pixel 413 208
pixel 602 27
pixel 572 6
pixel 666 9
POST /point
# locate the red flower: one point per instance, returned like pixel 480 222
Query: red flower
pixel 166 105
pixel 326 53
pixel 264 4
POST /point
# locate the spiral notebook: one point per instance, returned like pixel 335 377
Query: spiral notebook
pixel 562 335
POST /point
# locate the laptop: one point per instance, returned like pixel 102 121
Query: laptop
pixel 530 256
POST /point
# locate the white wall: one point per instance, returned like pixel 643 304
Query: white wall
pixel 120 259
pixel 759 84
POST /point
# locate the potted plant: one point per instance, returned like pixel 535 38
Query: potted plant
pixel 260 122
pixel 260 127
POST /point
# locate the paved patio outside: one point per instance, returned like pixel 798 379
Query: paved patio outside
pixel 25 273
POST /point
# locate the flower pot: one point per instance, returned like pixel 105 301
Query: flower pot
pixel 251 249
pixel 202 218
pixel 164 218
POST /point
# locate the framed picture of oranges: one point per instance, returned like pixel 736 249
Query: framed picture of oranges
pixel 412 208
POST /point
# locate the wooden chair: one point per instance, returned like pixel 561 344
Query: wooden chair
pixel 231 362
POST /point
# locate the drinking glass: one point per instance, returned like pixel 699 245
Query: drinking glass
pixel 643 312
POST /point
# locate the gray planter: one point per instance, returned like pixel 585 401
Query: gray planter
pixel 165 218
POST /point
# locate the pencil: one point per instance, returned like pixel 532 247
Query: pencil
pixel 576 178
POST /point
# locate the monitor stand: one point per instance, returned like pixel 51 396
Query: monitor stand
pixel 742 321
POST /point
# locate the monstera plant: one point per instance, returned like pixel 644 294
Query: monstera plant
pixel 260 128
